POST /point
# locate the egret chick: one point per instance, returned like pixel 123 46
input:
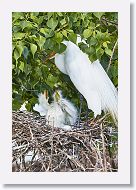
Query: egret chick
pixel 23 106
pixel 69 109
pixel 43 105
pixel 61 112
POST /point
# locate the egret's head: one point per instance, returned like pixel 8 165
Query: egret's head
pixel 57 95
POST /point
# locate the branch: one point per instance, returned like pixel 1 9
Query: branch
pixel 111 22
pixel 104 149
pixel 112 55
pixel 50 56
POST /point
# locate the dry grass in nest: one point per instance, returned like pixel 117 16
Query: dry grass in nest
pixel 38 147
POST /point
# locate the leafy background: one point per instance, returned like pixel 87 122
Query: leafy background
pixel 36 35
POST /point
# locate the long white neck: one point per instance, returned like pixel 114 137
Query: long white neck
pixel 60 62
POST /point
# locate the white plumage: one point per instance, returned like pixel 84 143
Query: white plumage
pixel 55 116
pixel 90 79
pixel 61 112
pixel 43 105
pixel 23 106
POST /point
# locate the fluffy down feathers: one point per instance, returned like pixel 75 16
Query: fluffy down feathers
pixel 43 105
pixel 61 113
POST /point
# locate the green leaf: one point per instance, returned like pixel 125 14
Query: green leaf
pixel 28 106
pixel 44 30
pixel 91 25
pixel 93 57
pixel 60 48
pixel 93 41
pixel 47 32
pixel 64 32
pixel 33 48
pixel 16 104
pixel 16 54
pixel 63 21
pixel 99 53
pixel 35 14
pixel 87 33
pixel 21 66
pixel 25 52
pixel 105 44
pixel 99 14
pixel 82 46
pixel 92 50
pixel 13 67
pixel 27 69
pixel 51 80
pixel 41 41
pixel 49 44
pixel 13 46
pixel 115 80
pixel 38 71
pixel 72 37
pixel 50 14
pixel 16 28
pixel 24 24
pixel 58 37
pixel 108 52
pixel 114 71
pixel 19 35
pixel 20 49
pixel 59 13
pixel 17 15
pixel 52 23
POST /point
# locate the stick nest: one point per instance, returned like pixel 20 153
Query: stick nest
pixel 37 147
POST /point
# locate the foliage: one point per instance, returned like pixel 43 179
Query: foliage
pixel 36 35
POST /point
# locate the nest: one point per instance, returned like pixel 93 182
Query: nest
pixel 37 147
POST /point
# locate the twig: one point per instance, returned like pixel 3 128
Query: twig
pixel 104 150
pixel 32 136
pixel 109 21
pixel 112 55
pixel 84 148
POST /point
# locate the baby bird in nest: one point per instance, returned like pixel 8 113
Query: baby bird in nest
pixel 61 113
pixel 43 105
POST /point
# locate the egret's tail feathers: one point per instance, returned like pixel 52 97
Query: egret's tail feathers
pixel 106 90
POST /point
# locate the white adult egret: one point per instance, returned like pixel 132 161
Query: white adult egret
pixel 61 112
pixel 90 79
pixel 43 105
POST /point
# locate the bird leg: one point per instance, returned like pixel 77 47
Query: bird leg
pixel 87 112
pixel 80 109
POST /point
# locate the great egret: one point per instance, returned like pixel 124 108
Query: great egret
pixel 90 79
pixel 43 105
pixel 61 112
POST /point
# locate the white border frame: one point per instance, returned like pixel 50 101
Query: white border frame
pixel 123 174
